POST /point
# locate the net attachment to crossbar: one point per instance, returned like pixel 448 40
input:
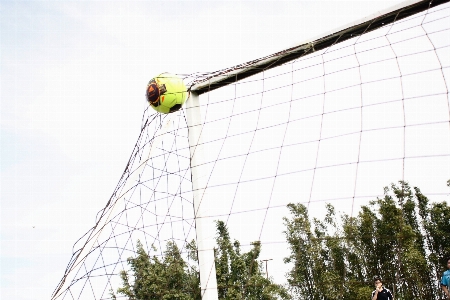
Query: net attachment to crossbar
pixel 330 121
pixel 211 81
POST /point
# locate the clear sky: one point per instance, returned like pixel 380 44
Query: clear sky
pixel 73 75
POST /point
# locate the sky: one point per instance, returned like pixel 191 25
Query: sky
pixel 73 75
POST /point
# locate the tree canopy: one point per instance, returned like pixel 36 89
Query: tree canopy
pixel 239 275
pixel 163 278
pixel 401 237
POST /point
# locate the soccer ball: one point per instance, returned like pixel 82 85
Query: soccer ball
pixel 166 93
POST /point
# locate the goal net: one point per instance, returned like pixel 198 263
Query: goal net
pixel 331 121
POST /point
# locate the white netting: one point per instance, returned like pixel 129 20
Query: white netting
pixel 334 126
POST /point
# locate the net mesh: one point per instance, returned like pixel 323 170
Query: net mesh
pixel 334 126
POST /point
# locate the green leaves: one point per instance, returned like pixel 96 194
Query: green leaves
pixel 239 274
pixel 391 237
pixel 168 277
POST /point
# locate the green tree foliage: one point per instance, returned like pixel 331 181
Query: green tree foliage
pixel 239 274
pixel 163 278
pixel 303 276
pixel 435 219
pixel 401 237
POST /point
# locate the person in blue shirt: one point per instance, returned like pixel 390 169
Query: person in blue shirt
pixel 445 281
pixel 380 293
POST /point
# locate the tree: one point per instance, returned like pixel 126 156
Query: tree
pixel 302 278
pixel 359 237
pixel 398 229
pixel 166 278
pixel 435 221
pixel 391 237
pixel 239 274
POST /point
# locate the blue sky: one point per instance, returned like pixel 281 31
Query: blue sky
pixel 72 80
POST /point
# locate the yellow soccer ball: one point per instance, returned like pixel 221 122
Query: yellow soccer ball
pixel 166 93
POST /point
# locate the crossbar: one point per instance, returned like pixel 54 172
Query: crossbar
pixel 231 75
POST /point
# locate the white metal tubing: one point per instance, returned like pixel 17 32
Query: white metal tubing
pixel 203 228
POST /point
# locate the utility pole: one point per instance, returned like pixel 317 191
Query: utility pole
pixel 267 273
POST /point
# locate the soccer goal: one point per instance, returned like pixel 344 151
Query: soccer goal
pixel 305 137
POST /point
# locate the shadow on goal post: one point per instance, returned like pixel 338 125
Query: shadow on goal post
pixel 331 120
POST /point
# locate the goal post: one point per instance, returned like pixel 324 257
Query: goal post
pixel 204 231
